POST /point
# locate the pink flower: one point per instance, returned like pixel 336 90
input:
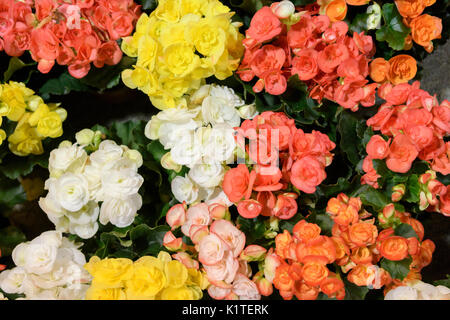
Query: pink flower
pixel 196 215
pixel 211 250
pixel 232 236
pixel 307 173
pixel 245 288
pixel 176 216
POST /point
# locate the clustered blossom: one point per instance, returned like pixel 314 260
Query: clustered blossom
pixel 300 261
pixel 72 33
pixel 418 290
pixel 200 137
pixel 416 125
pixel 148 278
pixel 78 182
pixel 219 246
pixel 50 267
pixel 35 119
pixel 180 44
pixel 434 195
pixel 333 64
pixel 274 142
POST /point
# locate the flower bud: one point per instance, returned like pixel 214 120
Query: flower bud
pixel 259 86
pixel 65 144
pixel 218 211
pixel 253 253
pixel 176 216
pixel 248 111
pixel 84 137
pixel 265 288
pixel 172 243
pixel 374 19
pixel 283 9
pixel 398 191
pixel 249 208
pixel 423 202
pixel 135 156
pixel 186 259
pixel 34 102
pixel 168 163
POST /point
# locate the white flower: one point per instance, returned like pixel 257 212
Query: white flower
pixel 207 175
pixel 84 231
pixel 170 125
pixel 12 281
pixel 188 149
pixel 121 183
pixel 199 95
pixel 134 156
pixel 374 16
pixel 51 238
pixel 220 145
pixel 427 291
pixel 120 212
pixel 86 215
pixel 67 158
pixel 85 136
pixel 218 196
pixel 402 293
pixel 220 106
pixel 107 154
pixel 168 163
pixel 71 191
pixel 184 189
pixel 40 258
pixel 93 176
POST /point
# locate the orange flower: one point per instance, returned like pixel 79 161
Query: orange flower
pixel 331 286
pixel 362 275
pixel 357 2
pixel 336 10
pixel 394 248
pixel 305 292
pixel 283 280
pixel 322 246
pixel 377 148
pixel 305 231
pixel 236 182
pixel 361 255
pixel 379 69
pixel 363 234
pixel 282 243
pixel 341 248
pixel 424 29
pixel 402 154
pixel 410 8
pixel 314 272
pixel 402 68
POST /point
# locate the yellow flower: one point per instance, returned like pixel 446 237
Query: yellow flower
pixel 183 293
pixel 197 278
pixel 96 293
pixel 208 38
pixel 25 140
pixel 194 6
pixel 180 58
pixel 176 274
pixel 50 125
pixel 2 136
pixel 147 52
pixel 168 10
pixel 12 103
pixel 147 280
pixel 109 273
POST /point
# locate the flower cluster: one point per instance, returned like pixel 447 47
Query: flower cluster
pixel 200 137
pixel 35 119
pixel 78 182
pixel 434 195
pixel 218 246
pixel 148 278
pixel 318 51
pixel 399 69
pixel 72 33
pixel 416 125
pixel 418 290
pixel 179 45
pixel 273 137
pixel 355 248
pixel 424 27
pixel 361 245
pixel 48 267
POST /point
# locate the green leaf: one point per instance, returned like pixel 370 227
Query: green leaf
pixel 359 23
pixel 412 194
pixel 372 197
pixel 15 64
pixel 393 31
pixel 61 86
pixel 148 4
pixel 350 142
pixel 354 292
pixel 254 229
pixel 443 282
pixel 406 231
pixel 10 195
pixel 397 269
pixel 148 240
pixel 325 223
pixel 11 237
pixel 21 166
pixel 156 149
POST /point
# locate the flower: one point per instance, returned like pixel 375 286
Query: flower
pixel 265 25
pixel 424 29
pixel 401 154
pixel 402 68
pixel 394 248
pixel 307 173
pixel 377 148
pixel 379 69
